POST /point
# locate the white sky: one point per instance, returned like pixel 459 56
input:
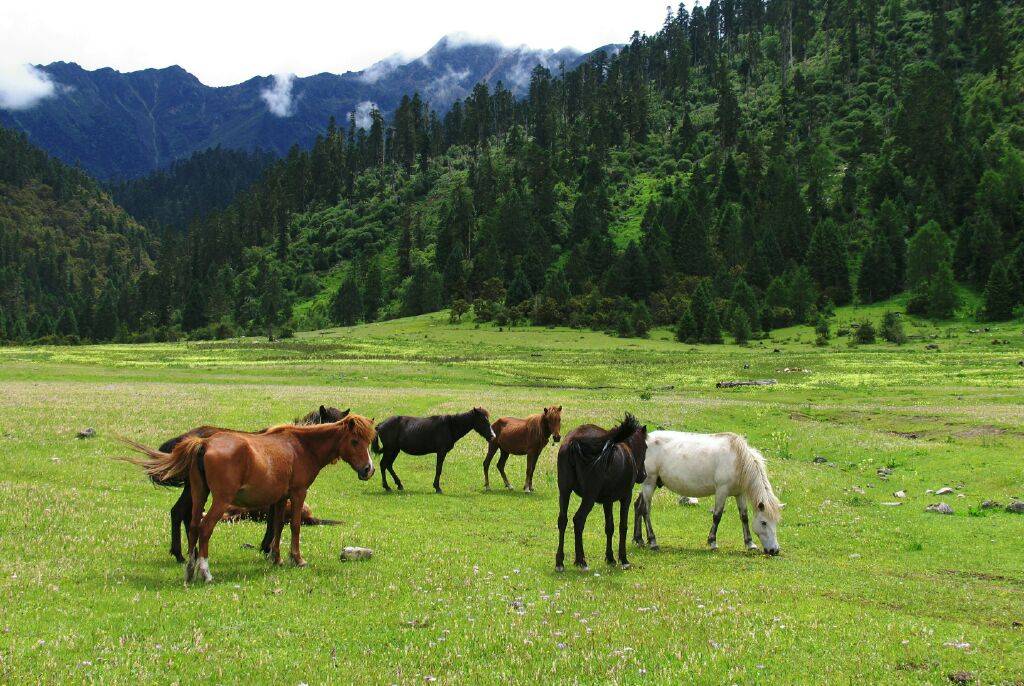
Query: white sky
pixel 227 41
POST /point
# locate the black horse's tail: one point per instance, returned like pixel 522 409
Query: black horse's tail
pixel 377 450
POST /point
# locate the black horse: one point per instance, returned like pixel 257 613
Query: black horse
pixel 424 435
pixel 181 511
pixel 600 466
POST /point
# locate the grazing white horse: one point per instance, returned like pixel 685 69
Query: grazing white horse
pixel 704 464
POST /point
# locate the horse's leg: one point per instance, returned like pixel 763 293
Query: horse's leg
pixel 492 448
pixel 501 467
pixel 647 493
pixel 609 531
pixel 181 513
pixel 563 519
pixel 741 505
pixel 716 516
pixel 638 515
pixel 623 525
pixel 206 526
pixel 278 518
pixel 437 472
pixel 579 520
pixel 298 499
pixel 384 464
pixel 268 536
pixel 200 492
pixel 531 464
pixel 391 469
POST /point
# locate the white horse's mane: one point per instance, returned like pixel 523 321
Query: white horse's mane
pixel 753 476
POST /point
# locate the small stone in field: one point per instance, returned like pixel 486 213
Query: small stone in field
pixel 945 490
pixel 87 432
pixel 989 504
pixel 1016 507
pixel 820 460
pixel 959 645
pixel 688 501
pixel 900 494
pixel 857 489
pixel 354 553
pixel 961 677
pixel 939 508
pixel 891 504
pixel 884 471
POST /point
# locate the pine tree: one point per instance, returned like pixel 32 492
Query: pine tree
pixel 986 246
pixel 686 328
pixel 828 262
pixel 744 299
pixel 712 330
pixel 941 293
pixel 740 326
pixel 877 277
pixel 347 304
pixel 999 292
pixel 519 288
pixel 927 249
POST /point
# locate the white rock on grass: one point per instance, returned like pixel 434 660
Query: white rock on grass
pixel 899 494
pixel 688 501
pixel 354 553
pixel 945 490
pixel 939 508
pixel 1017 507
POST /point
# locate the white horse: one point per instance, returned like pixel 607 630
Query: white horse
pixel 704 464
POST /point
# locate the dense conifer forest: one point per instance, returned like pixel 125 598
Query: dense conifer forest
pixel 748 167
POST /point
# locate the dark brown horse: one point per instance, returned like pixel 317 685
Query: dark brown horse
pixel 257 471
pixel 514 436
pixel 436 434
pixel 600 466
pixel 181 511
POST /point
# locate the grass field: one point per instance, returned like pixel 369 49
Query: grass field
pixel 462 587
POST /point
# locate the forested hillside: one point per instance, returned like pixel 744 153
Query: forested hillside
pixel 68 255
pixel 748 167
pixel 189 189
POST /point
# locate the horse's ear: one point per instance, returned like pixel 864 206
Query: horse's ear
pixel 345 413
pixel 760 507
pixel 323 413
pixel 559 408
pixel 545 410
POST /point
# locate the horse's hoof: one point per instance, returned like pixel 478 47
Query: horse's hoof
pixel 654 546
pixel 626 565
pixel 559 568
pixel 638 542
pixel 299 562
pixel 438 491
pixel 713 547
pixel 584 567
pixel 387 488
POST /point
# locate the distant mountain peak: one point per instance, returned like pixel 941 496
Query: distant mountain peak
pixel 123 125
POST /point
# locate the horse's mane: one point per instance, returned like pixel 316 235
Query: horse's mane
pixel 753 476
pixel 361 426
pixel 594 445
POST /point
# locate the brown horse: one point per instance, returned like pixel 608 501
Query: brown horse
pixel 514 436
pixel 257 470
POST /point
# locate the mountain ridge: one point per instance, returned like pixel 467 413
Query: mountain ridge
pixel 123 125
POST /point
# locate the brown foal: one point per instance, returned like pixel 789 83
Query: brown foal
pixel 257 471
pixel 513 436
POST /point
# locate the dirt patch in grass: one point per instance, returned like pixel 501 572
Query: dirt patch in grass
pixel 976 431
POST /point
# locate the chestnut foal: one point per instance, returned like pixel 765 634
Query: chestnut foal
pixel 257 471
pixel 514 436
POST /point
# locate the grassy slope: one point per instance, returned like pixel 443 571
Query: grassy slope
pixel 461 586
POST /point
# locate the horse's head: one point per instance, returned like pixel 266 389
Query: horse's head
pixel 767 514
pixel 638 450
pixel 354 447
pixel 331 414
pixel 553 421
pixel 482 423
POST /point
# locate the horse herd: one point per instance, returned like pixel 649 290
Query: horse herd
pixel 270 471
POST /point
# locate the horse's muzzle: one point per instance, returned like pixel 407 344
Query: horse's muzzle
pixel 366 472
pixel 771 551
pixel 556 438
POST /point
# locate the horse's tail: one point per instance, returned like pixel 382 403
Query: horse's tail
pixel 753 476
pixel 377 450
pixel 166 467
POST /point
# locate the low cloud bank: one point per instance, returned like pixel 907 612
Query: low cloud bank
pixel 23 86
pixel 279 96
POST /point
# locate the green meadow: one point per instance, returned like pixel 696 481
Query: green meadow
pixel 461 587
